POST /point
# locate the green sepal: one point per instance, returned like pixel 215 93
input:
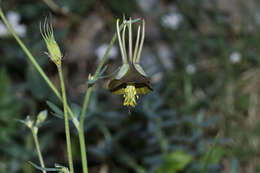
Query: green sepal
pixel 140 69
pixel 123 70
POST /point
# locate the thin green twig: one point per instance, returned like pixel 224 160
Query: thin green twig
pixel 82 137
pixel 66 119
pixel 35 138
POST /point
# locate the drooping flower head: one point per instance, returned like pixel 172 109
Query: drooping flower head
pixel 131 80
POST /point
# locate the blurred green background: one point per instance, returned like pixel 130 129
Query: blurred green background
pixel 203 60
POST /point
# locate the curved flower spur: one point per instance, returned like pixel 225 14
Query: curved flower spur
pixel 131 80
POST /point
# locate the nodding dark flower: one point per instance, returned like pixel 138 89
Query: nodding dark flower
pixel 131 80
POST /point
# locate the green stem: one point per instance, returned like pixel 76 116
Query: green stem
pixel 37 66
pixel 66 119
pixel 81 132
pixel 35 137
pixel 85 106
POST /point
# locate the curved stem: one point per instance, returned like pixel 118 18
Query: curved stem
pixel 66 119
pixel 37 66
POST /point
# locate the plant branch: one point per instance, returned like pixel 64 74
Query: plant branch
pixel 35 138
pixel 37 66
pixel 86 101
pixel 66 119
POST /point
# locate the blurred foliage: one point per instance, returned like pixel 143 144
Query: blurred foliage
pixel 9 109
pixel 122 7
pixel 206 84
pixel 174 162
pixel 9 114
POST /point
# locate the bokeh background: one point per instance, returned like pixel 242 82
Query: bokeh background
pixel 203 60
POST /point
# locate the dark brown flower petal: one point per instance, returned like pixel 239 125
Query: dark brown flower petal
pixel 133 77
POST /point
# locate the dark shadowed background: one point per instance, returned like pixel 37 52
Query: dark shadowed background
pixel 203 60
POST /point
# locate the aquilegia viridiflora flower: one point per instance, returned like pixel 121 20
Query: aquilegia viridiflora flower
pixel 131 80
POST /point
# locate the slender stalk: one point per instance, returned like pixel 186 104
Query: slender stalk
pixel 66 119
pixel 81 132
pixel 37 66
pixel 36 141
pixel 85 105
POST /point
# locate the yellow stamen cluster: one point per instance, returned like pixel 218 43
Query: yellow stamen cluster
pixel 130 96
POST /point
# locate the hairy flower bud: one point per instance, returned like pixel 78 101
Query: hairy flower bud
pixel 53 48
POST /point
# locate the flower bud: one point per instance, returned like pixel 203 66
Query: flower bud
pixel 28 122
pixel 41 117
pixel 52 46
